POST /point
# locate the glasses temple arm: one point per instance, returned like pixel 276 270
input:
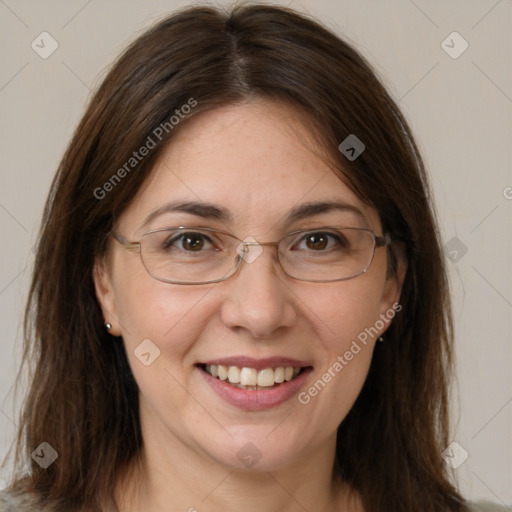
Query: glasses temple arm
pixel 129 246
pixel 381 241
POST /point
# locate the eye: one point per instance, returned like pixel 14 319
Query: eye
pixel 191 242
pixel 320 241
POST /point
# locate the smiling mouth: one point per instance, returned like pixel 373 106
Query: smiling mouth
pixel 252 379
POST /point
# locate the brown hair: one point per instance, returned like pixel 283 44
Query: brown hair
pixel 83 399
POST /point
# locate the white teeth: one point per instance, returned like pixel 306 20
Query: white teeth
pixel 234 374
pixel 223 371
pixel 248 377
pixel 278 375
pixel 245 376
pixel 266 377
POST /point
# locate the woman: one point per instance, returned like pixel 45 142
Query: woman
pixel 239 300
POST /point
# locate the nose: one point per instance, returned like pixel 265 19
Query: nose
pixel 258 297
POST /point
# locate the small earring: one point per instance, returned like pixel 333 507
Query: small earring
pixel 381 339
pixel 108 326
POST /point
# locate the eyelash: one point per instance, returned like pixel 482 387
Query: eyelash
pixel 340 240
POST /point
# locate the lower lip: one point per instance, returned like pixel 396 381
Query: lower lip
pixel 256 400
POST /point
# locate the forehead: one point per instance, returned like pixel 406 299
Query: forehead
pixel 257 160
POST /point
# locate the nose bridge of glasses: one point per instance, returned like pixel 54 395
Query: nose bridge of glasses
pixel 249 249
pixel 256 243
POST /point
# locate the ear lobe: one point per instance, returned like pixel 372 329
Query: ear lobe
pixel 105 295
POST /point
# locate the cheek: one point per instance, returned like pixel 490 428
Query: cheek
pixel 343 311
pixel 342 318
pixel 169 315
pixel 163 321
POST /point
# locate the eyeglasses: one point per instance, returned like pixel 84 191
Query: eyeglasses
pixel 183 255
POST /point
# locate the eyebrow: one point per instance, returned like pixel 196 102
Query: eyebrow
pixel 313 208
pixel 212 211
pixel 197 208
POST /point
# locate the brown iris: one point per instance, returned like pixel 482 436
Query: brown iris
pixel 193 243
pixel 317 241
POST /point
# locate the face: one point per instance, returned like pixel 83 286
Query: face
pixel 256 163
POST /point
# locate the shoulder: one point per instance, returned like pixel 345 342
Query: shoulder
pixel 19 502
pixel 487 506
pixel 11 503
pixel 25 501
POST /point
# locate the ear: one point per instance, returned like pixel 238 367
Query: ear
pixel 394 282
pixel 105 294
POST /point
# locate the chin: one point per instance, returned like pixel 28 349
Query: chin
pixel 254 449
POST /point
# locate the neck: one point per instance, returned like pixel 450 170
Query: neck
pixel 173 475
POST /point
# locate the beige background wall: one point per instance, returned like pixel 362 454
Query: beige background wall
pixel 460 109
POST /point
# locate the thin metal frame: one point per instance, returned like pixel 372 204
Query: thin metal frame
pixel 380 241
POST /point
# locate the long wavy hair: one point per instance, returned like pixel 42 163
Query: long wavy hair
pixel 83 399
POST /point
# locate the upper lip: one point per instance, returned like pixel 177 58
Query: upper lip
pixel 258 364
